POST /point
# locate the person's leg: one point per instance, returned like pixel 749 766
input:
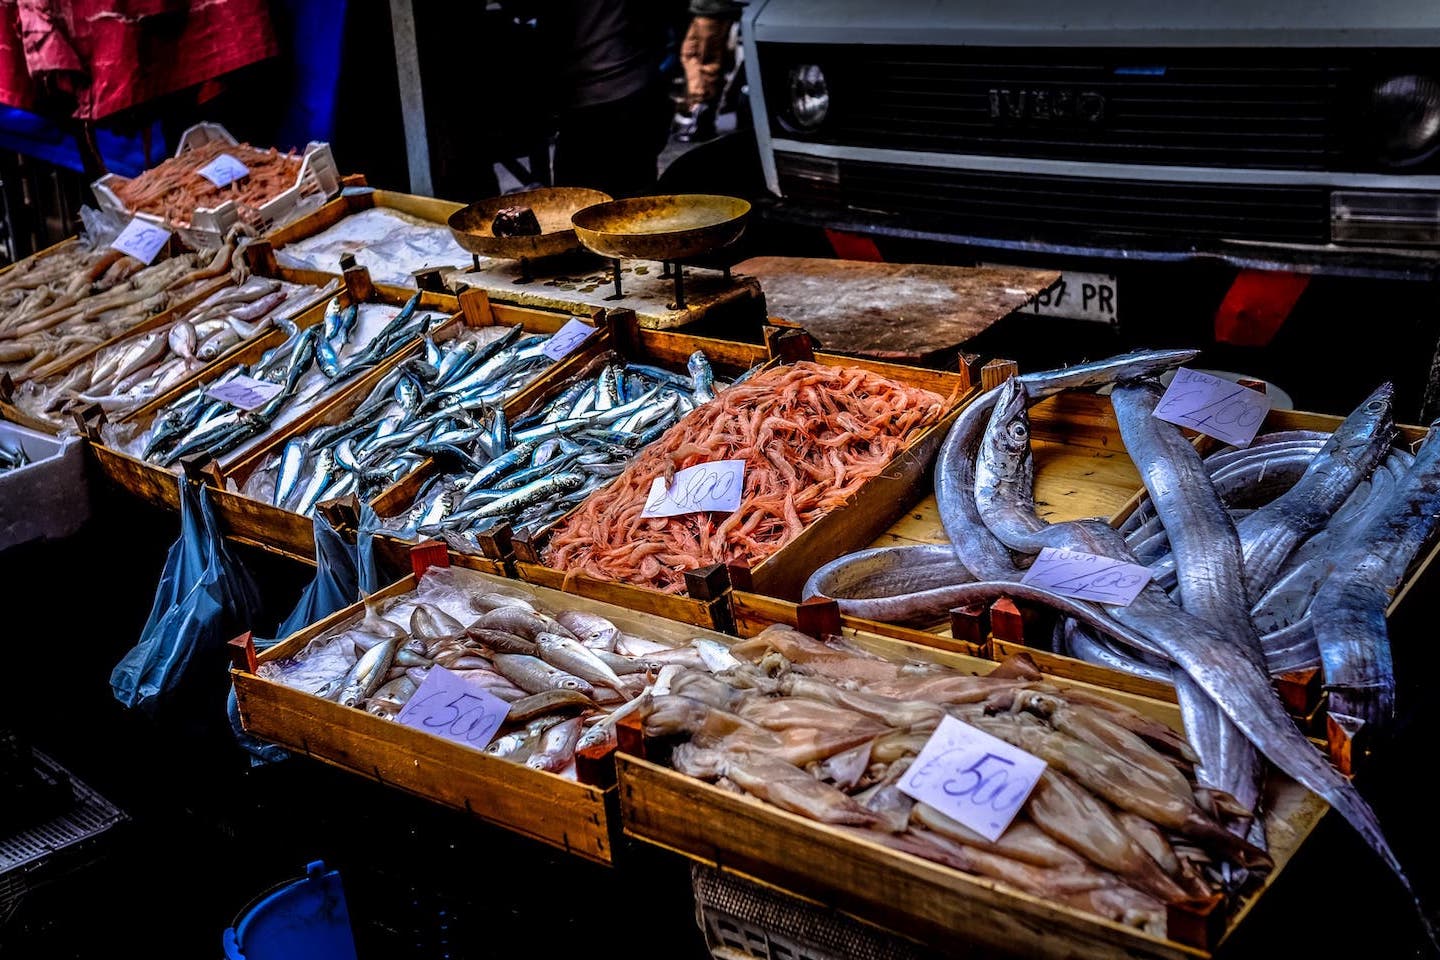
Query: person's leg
pixel 691 58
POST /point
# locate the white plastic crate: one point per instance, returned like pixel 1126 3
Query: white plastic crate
pixel 745 921
pixel 49 496
pixel 318 181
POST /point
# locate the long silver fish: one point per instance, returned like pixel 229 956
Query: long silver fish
pixel 1349 608
pixel 1210 565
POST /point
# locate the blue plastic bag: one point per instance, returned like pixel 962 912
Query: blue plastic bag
pixel 205 597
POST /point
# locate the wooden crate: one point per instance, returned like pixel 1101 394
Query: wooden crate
pixel 249 520
pixel 356 200
pixel 578 818
pixel 848 527
pixel 475 311
pixel 271 337
pixel 913 897
pixel 1081 470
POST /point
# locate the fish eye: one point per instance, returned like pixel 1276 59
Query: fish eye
pixel 1375 406
pixel 1018 431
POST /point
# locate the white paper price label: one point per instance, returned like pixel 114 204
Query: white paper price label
pixel 452 707
pixel 141 239
pixel 972 777
pixel 1086 576
pixel 1213 406
pixel 244 392
pixel 707 486
pixel 566 339
pixel 224 170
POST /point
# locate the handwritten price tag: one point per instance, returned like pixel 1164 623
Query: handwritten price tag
pixel 244 392
pixel 566 339
pixel 452 707
pixel 1086 576
pixel 141 240
pixel 1213 406
pixel 972 777
pixel 708 486
pixel 224 170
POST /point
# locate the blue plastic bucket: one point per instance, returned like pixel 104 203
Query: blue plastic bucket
pixel 304 919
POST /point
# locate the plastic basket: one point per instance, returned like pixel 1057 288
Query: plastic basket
pixel 317 181
pixel 27 856
pixel 744 921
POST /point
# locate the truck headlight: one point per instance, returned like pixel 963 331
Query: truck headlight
pixel 809 97
pixel 1406 117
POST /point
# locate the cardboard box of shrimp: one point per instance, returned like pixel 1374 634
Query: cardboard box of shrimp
pixel 214 182
pixel 531 748
pixel 861 773
pixel 470 377
pixel 810 456
pixel 279 381
pixel 130 373
pixel 1081 470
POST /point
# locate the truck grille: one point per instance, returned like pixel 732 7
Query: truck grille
pixel 966 202
pixel 1230 108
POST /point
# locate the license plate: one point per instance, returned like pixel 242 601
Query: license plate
pixel 1080 296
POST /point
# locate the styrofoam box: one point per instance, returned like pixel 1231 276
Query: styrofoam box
pixel 318 181
pixel 48 497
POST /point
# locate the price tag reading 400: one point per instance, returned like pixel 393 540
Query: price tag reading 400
pixel 1087 576
pixel 1214 406
pixel 972 777
pixel 452 707
pixel 566 339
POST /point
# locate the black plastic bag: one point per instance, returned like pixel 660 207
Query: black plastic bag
pixel 204 598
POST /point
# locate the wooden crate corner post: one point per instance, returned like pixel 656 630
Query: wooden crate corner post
pixel 431 553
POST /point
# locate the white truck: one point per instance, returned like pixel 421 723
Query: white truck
pixel 1219 166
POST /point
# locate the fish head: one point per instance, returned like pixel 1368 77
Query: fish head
pixel 575 683
pixel 1007 441
pixel 1369 427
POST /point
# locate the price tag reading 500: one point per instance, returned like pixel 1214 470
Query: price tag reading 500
pixel 452 707
pixel 972 777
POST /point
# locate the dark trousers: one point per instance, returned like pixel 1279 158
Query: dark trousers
pixel 613 146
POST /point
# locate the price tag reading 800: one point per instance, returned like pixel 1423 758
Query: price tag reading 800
pixel 972 777
pixel 1214 406
pixel 452 707
pixel 714 486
